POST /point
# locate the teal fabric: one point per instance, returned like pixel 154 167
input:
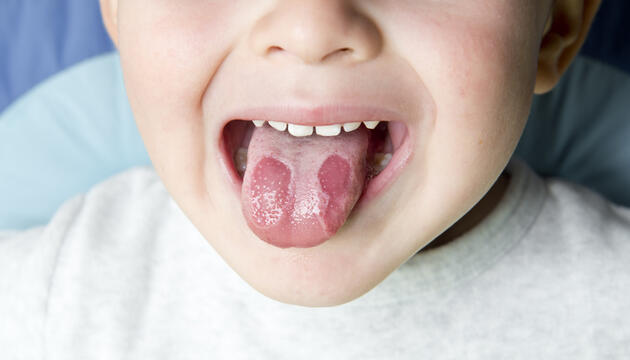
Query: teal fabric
pixel 76 129
pixel 62 137
pixel 580 131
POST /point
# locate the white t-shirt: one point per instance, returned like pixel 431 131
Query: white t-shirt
pixel 120 273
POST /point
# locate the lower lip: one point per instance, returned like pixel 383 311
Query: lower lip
pixel 374 188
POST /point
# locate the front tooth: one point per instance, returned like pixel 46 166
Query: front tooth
pixel 280 126
pixel 328 130
pixel 351 126
pixel 300 130
pixel 259 123
pixel 371 124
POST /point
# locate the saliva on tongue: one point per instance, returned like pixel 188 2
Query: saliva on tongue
pixel 298 191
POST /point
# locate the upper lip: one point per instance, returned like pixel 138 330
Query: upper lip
pixel 318 115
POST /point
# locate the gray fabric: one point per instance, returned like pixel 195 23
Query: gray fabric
pixel 122 274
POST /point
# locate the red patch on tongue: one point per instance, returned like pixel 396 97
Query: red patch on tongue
pixel 334 176
pixel 298 192
pixel 270 193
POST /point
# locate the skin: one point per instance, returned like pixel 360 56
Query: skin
pixel 463 73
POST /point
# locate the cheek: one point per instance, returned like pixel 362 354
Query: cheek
pixel 168 54
pixel 480 74
pixel 170 51
pixel 477 60
pixel 479 71
pixel 484 91
pixel 483 100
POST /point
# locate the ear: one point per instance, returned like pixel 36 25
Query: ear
pixel 109 11
pixel 565 32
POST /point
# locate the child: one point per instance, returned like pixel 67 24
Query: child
pixel 342 173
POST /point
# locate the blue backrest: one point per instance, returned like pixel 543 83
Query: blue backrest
pixel 41 38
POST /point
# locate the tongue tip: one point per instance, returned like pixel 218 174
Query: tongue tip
pixel 307 234
pixel 283 244
pixel 281 236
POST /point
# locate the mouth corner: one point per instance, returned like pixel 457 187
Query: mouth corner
pixel 232 143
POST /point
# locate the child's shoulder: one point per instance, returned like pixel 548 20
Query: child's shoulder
pixel 582 232
pixel 133 205
pixel 130 205
pixel 566 225
pixel 584 214
pixel 98 245
pixel 137 187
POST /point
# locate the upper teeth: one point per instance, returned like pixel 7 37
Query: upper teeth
pixel 323 130
pixel 280 126
pixel 328 130
pixel 300 130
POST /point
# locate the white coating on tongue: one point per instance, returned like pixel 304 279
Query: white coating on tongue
pixel 297 192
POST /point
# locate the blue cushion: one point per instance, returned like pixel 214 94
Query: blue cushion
pixel 67 134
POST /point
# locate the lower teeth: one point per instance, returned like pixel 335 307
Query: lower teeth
pixel 376 165
pixel 240 160
pixel 380 161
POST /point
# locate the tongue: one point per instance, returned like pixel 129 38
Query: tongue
pixel 297 192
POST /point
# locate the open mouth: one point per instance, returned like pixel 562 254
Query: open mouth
pixel 386 151
pixel 237 135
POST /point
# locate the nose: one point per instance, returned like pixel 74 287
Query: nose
pixel 316 31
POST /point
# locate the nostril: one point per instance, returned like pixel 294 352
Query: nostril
pixel 339 53
pixel 342 53
pixel 274 49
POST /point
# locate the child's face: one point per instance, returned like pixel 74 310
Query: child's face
pixel 460 74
